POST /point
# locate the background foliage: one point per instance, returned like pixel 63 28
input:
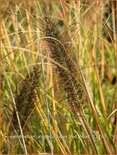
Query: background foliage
pixel 50 124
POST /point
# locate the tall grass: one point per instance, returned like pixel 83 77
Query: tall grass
pixel 67 103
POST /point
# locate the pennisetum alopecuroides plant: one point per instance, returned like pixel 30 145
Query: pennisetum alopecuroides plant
pixel 71 77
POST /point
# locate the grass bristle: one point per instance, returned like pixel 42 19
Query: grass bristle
pixel 69 72
pixel 25 99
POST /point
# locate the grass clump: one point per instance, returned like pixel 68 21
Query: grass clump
pixel 70 51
